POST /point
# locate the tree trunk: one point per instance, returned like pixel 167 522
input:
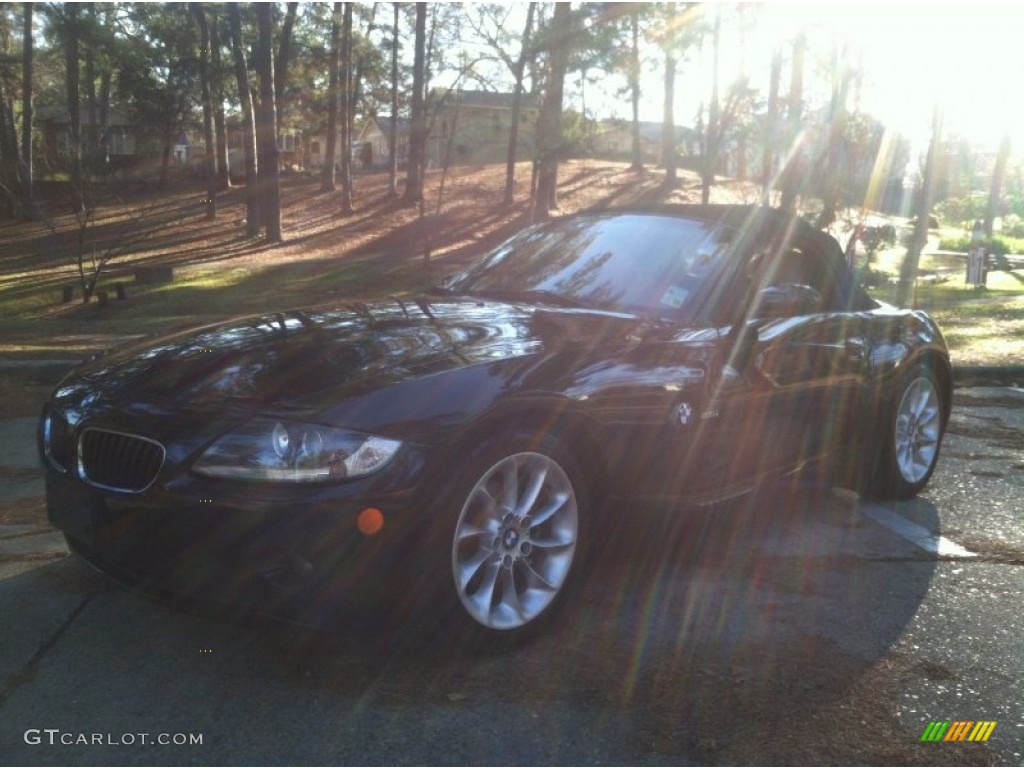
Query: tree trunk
pixel 393 130
pixel 253 223
pixel 714 139
pixel 91 138
pixel 418 127
pixel 517 105
pixel 637 163
pixel 266 127
pixel 10 192
pixel 359 62
pixel 346 111
pixel 549 124
pixel 919 237
pixel 209 154
pixel 165 156
pixel 217 86
pixel 9 171
pixel 74 117
pixel 105 81
pixel 837 126
pixel 331 148
pixel 996 190
pixel 669 151
pixel 26 114
pixel 283 60
pixel 771 128
pixel 792 173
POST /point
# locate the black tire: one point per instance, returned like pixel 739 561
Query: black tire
pixel 515 517
pixel 912 431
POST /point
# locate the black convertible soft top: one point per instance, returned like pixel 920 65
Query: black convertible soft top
pixel 777 229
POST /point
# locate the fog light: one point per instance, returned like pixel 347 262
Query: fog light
pixel 370 521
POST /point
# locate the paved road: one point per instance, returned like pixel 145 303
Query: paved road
pixel 795 627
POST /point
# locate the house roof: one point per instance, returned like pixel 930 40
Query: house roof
pixel 59 114
pixel 485 99
pixel 649 130
pixel 384 125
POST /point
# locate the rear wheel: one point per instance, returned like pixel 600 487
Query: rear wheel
pixel 517 534
pixel 913 433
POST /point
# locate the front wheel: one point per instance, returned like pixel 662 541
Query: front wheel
pixel 913 434
pixel 516 538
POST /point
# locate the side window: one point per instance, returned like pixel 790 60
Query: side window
pixel 797 265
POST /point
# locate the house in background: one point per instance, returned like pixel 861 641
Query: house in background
pixel 475 125
pixel 614 140
pixel 117 140
pixel 472 125
pixel 468 127
pixel 376 134
pixel 292 146
pixel 180 149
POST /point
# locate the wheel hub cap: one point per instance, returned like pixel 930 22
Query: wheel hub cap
pixel 918 430
pixel 510 539
pixel 515 541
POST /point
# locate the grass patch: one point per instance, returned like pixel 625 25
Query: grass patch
pixel 331 258
pixel 932 293
pixel 984 333
pixel 982 326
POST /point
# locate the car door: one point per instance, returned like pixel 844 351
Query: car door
pixel 788 374
pixel 811 357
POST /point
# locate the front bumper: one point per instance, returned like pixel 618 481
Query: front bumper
pixel 289 551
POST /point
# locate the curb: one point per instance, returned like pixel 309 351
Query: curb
pixel 62 365
pixel 988 375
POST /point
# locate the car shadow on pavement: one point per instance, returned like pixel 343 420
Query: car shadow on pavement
pixel 699 636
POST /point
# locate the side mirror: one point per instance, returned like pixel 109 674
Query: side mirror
pixel 786 300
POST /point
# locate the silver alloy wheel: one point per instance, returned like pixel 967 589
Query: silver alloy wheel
pixel 918 429
pixel 515 540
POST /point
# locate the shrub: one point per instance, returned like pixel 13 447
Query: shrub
pixel 994 245
pixel 1013 225
pixel 874 238
pixel 962 209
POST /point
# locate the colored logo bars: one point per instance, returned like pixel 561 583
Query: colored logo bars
pixel 958 730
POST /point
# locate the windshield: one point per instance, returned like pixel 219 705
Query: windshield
pixel 623 262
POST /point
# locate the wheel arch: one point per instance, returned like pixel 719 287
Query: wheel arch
pixel 880 477
pixel 940 365
pixel 560 418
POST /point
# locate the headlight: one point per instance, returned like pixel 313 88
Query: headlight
pixel 280 451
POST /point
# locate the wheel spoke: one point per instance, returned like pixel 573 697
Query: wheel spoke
pixel 929 423
pixel 556 503
pixel 554 541
pixel 535 577
pixel 468 568
pixel 467 531
pixel 532 491
pixel 924 463
pixel 510 596
pixel 923 400
pixel 489 500
pixel 483 598
pixel 510 483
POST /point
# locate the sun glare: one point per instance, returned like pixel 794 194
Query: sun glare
pixel 917 55
pixel 914 55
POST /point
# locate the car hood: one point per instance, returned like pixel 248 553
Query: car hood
pixel 303 359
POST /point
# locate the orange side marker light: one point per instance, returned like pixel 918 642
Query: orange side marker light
pixel 370 521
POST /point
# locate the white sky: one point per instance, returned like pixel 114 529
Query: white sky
pixel 967 56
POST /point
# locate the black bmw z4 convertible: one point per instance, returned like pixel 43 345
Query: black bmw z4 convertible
pixel 458 449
